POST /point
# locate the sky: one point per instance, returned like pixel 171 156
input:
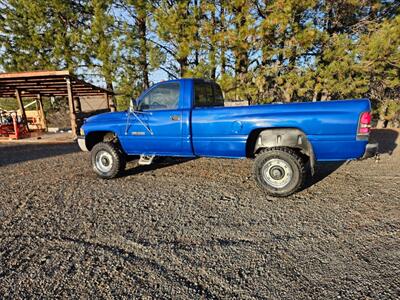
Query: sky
pixel 158 75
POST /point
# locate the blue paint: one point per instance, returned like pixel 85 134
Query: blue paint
pixel 331 127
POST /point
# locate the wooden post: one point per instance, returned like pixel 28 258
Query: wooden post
pixel 41 109
pixel 71 108
pixel 113 103
pixel 110 102
pixel 107 100
pixel 21 107
pixel 78 104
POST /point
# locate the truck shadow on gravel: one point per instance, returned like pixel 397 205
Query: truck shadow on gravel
pixel 161 163
pixel 386 138
pixel 322 170
pixel 12 154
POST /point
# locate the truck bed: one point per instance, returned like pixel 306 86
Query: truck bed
pixel 331 127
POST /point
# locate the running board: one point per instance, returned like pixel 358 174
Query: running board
pixel 146 160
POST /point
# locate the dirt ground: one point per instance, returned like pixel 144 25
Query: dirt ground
pixel 196 229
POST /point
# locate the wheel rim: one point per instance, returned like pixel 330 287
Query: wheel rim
pixel 277 173
pixel 104 161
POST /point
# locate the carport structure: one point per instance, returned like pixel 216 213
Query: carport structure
pixel 38 84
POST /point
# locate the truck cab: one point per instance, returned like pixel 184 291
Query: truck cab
pixel 187 118
pixel 163 121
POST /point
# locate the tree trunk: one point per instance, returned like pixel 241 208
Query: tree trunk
pixel 382 122
pixel 315 96
pixel 223 45
pixel 183 60
pixel 197 34
pixel 212 54
pixel 287 95
pixel 183 66
pixel 240 53
pixel 110 87
pixel 143 61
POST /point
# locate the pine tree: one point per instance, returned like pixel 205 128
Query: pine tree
pixel 42 34
pixel 260 50
pixel 139 55
pixel 232 35
pixel 380 66
pixel 101 40
pixel 137 33
pixel 176 28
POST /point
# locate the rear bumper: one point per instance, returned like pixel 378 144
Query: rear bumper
pixel 370 150
pixel 82 143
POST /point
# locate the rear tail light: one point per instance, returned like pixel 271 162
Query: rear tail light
pixel 364 125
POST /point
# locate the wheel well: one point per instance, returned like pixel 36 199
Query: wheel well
pixel 96 137
pixel 251 142
pixel 293 138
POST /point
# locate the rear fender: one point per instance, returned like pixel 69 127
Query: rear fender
pixel 286 137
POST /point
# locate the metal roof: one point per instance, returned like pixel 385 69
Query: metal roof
pixel 46 83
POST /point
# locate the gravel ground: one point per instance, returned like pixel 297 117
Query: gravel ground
pixel 196 229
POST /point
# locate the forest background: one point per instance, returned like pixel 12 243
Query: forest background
pixel 261 51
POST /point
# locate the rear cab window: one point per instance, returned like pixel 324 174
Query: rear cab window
pixel 207 94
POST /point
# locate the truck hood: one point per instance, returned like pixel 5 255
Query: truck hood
pixel 106 117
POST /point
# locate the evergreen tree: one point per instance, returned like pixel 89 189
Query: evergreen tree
pixel 259 50
pixel 100 39
pixel 42 34
pixel 380 66
pixel 139 56
pixel 177 30
pixel 287 39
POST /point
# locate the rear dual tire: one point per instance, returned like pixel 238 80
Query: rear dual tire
pixel 280 172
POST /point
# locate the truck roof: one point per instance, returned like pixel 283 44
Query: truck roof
pixel 187 79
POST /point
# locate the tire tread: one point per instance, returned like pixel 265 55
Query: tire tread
pixel 116 152
pixel 298 160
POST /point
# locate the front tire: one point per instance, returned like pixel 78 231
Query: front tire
pixel 107 160
pixel 280 172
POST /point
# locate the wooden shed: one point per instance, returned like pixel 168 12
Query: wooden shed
pixel 38 84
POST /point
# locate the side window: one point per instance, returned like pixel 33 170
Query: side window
pixel 164 96
pixel 219 97
pixel 207 94
pixel 203 94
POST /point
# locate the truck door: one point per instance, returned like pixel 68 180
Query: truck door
pixel 157 126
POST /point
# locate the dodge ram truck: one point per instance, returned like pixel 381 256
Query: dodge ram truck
pixel 187 118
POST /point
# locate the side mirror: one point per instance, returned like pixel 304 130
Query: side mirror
pixel 133 105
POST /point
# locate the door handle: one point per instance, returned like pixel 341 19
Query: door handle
pixel 175 118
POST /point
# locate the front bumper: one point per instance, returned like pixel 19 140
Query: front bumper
pixel 82 143
pixel 370 150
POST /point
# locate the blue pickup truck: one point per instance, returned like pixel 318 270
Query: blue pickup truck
pixel 187 118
